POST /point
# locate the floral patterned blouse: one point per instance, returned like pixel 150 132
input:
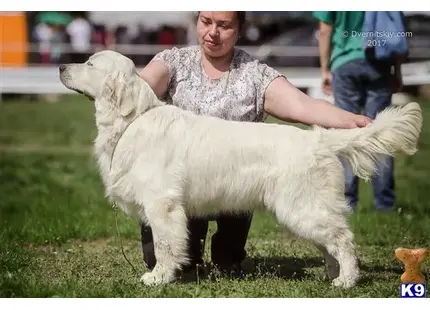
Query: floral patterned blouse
pixel 238 95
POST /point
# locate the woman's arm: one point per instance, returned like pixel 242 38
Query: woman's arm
pixel 286 102
pixel 324 46
pixel 156 74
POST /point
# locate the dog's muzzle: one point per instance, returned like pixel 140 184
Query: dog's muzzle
pixel 65 78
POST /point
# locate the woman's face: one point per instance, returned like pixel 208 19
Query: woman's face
pixel 217 32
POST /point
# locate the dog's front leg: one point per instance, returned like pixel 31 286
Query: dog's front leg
pixel 169 228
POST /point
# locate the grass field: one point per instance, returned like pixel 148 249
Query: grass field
pixel 59 238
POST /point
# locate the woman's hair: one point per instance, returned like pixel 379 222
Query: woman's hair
pixel 241 18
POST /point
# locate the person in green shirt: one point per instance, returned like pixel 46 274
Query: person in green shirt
pixel 359 84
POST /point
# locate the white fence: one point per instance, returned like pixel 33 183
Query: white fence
pixel 36 79
pixel 45 80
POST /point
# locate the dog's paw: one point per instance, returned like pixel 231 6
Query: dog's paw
pixel 153 278
pixel 149 278
pixel 343 283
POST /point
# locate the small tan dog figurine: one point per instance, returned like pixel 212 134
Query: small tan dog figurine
pixel 412 259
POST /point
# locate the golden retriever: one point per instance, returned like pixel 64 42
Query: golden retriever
pixel 163 164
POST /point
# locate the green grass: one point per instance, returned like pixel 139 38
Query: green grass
pixel 59 237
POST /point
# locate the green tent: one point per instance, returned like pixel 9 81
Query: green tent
pixel 54 18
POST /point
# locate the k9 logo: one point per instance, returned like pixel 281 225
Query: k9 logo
pixel 413 290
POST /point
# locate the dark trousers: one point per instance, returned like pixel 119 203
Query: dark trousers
pixel 365 87
pixel 228 243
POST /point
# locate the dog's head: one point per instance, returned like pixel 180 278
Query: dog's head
pixel 107 77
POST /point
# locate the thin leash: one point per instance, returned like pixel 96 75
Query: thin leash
pixel 115 207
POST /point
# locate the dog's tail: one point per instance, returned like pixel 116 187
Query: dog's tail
pixel 396 129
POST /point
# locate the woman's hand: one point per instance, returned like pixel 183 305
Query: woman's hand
pixel 327 81
pixel 359 121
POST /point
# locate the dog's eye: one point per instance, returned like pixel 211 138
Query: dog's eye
pixel 89 64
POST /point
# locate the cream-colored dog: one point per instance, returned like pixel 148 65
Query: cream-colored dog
pixel 163 164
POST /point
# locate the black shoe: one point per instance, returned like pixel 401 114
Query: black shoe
pixel 192 272
pixel 234 271
pixel 192 267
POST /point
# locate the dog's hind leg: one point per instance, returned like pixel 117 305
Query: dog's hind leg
pixel 339 244
pixel 169 228
pixel 326 225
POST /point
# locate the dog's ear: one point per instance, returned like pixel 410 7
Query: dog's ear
pixel 128 97
pixel 111 90
pixel 126 101
pixel 126 108
pixel 122 94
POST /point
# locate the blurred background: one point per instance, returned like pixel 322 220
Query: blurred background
pixel 32 44
pixel 59 236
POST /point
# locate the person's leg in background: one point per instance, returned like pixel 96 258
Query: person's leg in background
pixel 147 246
pixel 348 94
pixel 227 246
pixel 228 242
pixel 197 228
pixel 378 97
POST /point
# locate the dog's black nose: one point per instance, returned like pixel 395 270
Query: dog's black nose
pixel 62 68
